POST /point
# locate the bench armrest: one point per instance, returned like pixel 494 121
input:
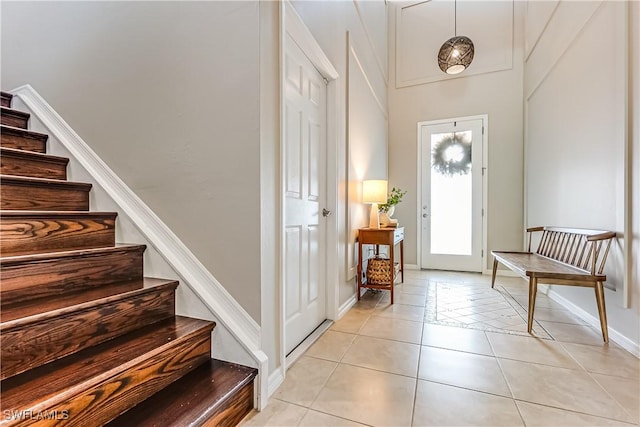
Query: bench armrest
pixel 531 230
pixel 602 236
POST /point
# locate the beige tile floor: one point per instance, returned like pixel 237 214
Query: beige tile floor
pixel 453 352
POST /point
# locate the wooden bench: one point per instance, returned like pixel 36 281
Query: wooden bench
pixel 565 256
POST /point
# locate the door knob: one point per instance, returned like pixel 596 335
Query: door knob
pixel 326 212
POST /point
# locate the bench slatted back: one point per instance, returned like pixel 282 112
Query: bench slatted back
pixel 581 248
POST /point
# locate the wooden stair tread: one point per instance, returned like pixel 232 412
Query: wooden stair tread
pixel 55 214
pixel 190 400
pixel 11 117
pixel 23 133
pixel 42 194
pixel 6 98
pixel 44 386
pixel 13 112
pixel 30 181
pixel 32 164
pixel 23 259
pixel 16 152
pixel 13 315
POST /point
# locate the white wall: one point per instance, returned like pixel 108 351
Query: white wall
pixel 575 95
pixel 167 93
pixel 495 91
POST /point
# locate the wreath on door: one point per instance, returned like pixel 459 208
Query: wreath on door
pixel 452 155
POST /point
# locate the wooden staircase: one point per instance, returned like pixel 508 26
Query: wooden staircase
pixel 85 338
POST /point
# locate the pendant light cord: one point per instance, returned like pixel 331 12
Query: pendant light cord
pixel 455 17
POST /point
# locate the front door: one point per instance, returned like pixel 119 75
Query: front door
pixel 305 196
pixel 451 199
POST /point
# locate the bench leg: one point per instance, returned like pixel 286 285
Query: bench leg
pixel 533 289
pixel 495 269
pixel 602 310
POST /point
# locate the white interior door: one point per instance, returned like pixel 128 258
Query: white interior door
pixel 451 200
pixel 305 196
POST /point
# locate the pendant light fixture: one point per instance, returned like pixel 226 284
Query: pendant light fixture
pixel 456 54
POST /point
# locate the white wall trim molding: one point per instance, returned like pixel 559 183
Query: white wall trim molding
pixel 562 54
pixel 532 47
pixel 191 271
pixel 615 336
pixel 352 49
pixel 344 308
pixel 412 267
pixel 628 167
pixel 298 30
pixel 275 380
pixel 385 73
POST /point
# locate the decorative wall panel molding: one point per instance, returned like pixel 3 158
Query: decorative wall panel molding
pixel 422 27
pixel 375 14
pixel 537 17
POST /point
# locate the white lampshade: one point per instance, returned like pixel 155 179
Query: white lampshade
pixel 374 191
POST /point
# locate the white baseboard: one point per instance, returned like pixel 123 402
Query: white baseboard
pixel 615 336
pixel 411 267
pixel 344 308
pixel 185 264
pixel 275 380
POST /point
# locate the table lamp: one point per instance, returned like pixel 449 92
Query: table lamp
pixel 374 191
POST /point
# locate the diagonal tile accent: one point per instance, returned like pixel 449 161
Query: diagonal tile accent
pixel 477 306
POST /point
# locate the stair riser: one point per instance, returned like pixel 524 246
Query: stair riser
pixel 41 279
pixel 29 236
pixel 15 120
pixel 5 101
pixel 112 396
pixel 12 139
pixel 10 165
pixel 42 198
pixel 236 409
pixel 45 339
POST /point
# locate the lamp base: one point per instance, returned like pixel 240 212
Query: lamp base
pixel 374 217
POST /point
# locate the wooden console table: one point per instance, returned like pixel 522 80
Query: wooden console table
pixel 381 236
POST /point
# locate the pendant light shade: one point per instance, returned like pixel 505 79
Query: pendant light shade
pixel 455 55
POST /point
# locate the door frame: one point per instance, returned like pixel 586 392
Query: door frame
pixel 293 25
pixel 485 182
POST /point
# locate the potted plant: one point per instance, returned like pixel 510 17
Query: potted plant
pixel 393 199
